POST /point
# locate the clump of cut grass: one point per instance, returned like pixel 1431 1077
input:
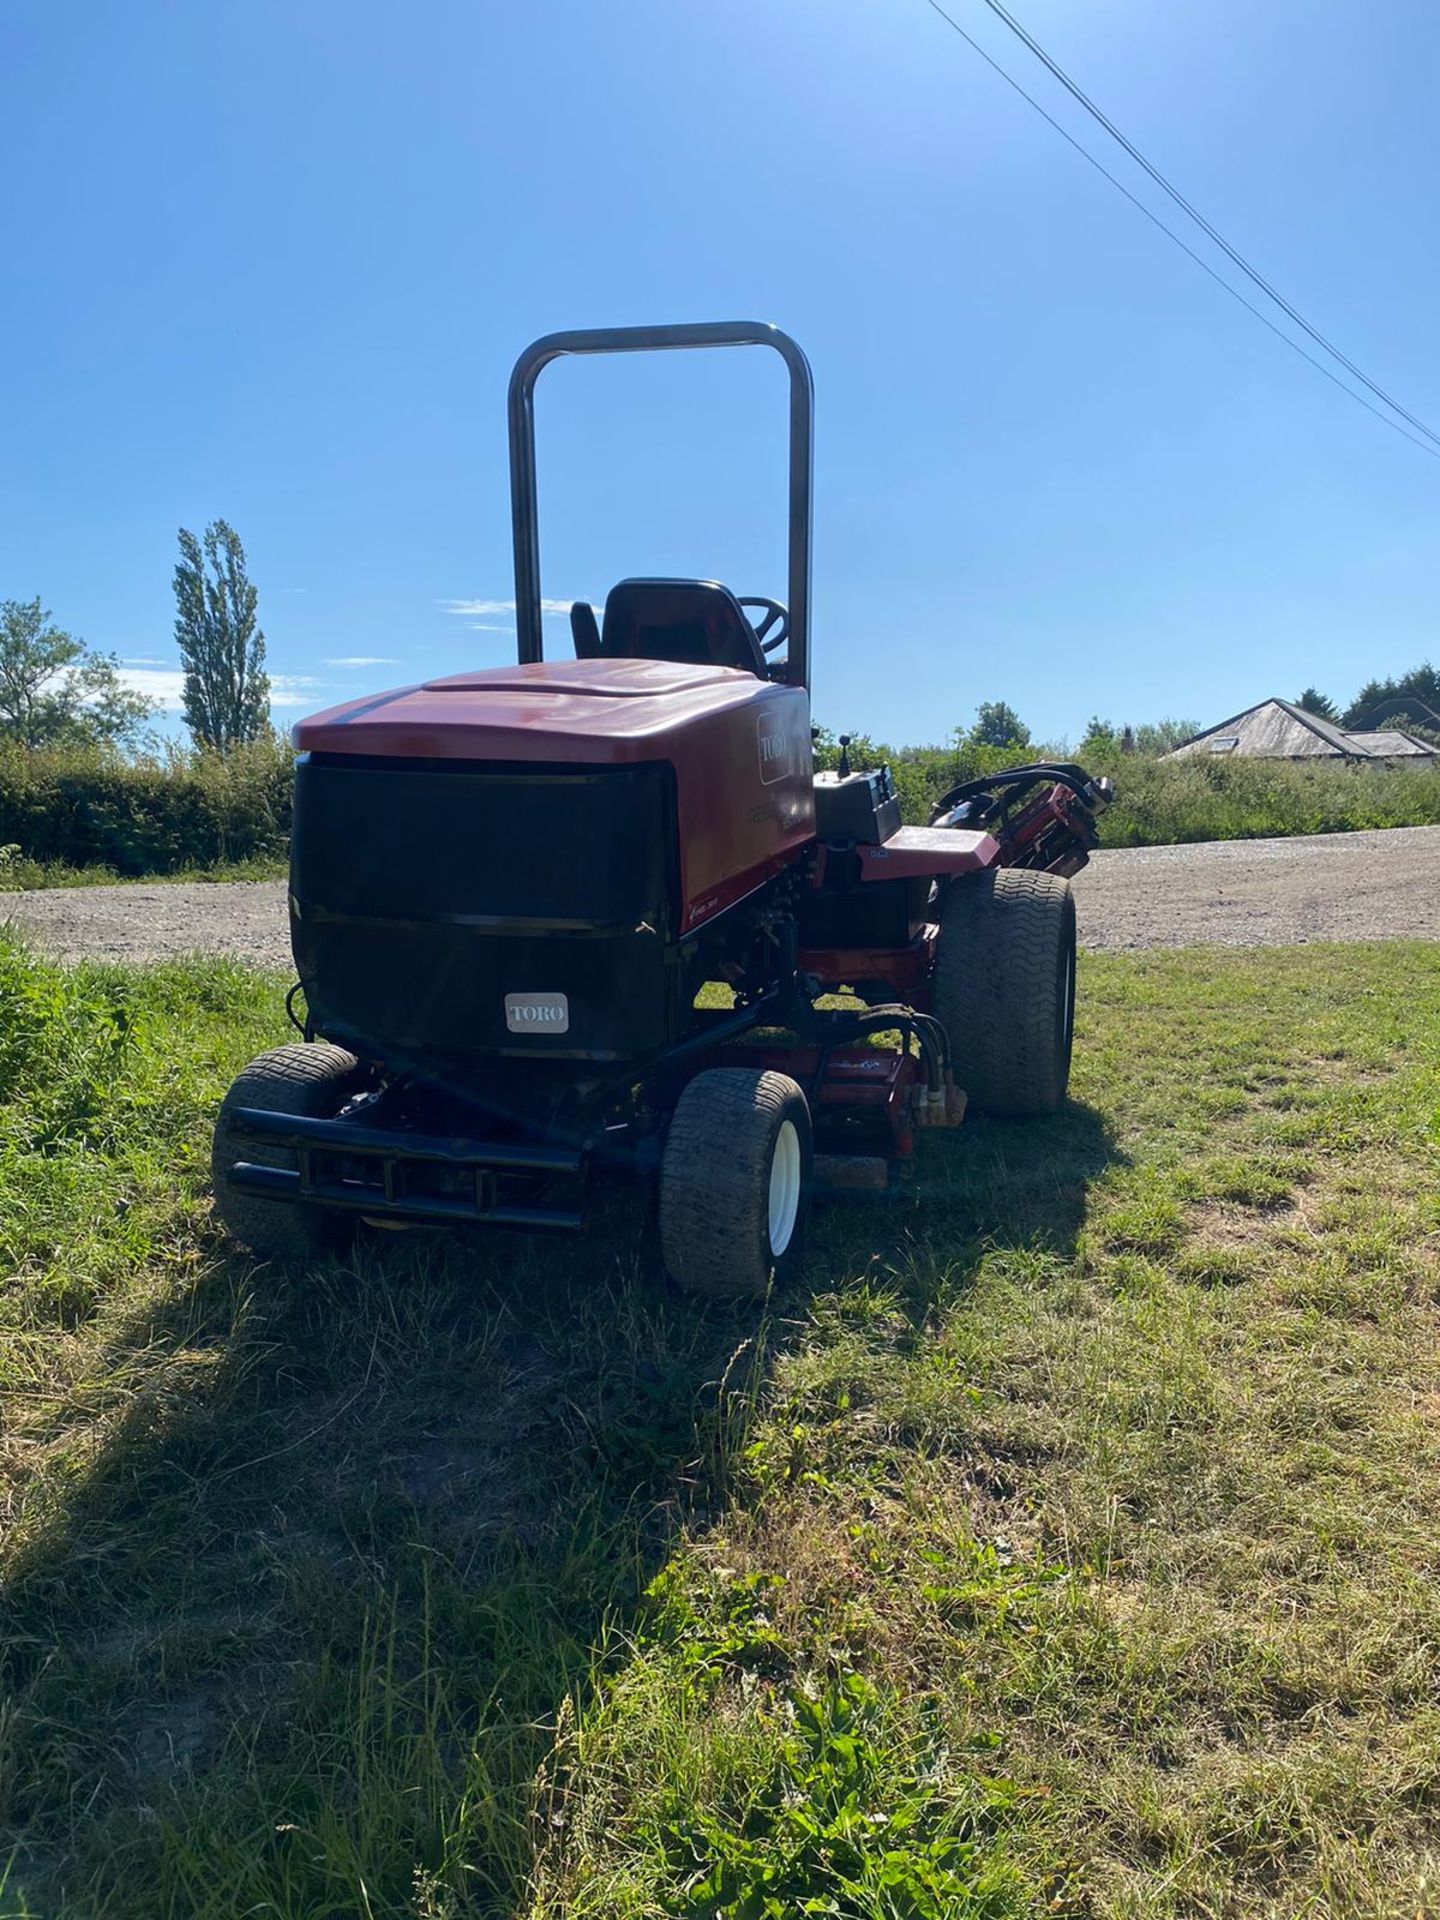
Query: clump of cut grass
pixel 1064 1544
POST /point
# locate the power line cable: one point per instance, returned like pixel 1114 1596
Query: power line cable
pixel 1002 12
pixel 1415 440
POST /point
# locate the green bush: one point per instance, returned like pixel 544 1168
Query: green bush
pixel 922 774
pixel 89 807
pixel 1160 802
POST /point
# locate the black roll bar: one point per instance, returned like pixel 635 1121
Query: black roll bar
pixel 524 497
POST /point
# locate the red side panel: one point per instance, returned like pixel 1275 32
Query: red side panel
pixel 747 798
pixel 740 748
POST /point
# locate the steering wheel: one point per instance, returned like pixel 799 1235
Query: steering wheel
pixel 774 611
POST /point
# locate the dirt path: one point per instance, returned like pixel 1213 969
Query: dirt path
pixel 243 918
pixel 1242 893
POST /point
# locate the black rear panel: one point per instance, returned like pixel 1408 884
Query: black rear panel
pixel 425 896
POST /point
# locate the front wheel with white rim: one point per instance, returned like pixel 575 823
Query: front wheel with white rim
pixel 735 1182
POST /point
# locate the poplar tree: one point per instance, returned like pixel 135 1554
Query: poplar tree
pixel 227 690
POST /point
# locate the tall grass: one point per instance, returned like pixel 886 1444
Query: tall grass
pixel 1160 802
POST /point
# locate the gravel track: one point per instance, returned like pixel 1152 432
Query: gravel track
pixel 1236 893
pixel 1264 893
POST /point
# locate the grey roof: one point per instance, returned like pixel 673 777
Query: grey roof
pixel 1275 730
pixel 1279 730
pixel 1391 744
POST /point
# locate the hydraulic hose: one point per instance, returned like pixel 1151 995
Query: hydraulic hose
pixel 991 786
pixel 933 1040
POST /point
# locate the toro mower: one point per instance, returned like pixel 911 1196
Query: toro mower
pixel 569 920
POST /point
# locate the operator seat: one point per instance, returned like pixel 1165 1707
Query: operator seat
pixel 697 623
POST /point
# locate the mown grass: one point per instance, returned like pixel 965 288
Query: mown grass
pixel 1064 1545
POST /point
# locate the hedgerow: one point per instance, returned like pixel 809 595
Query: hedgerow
pixel 71 809
pixel 89 807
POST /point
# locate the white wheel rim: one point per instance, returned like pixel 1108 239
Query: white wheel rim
pixel 784 1187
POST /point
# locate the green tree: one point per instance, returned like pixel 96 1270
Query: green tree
pixel 998 725
pixel 1101 735
pixel 1406 715
pixel 1160 736
pixel 1421 685
pixel 54 690
pixel 227 690
pixel 1313 701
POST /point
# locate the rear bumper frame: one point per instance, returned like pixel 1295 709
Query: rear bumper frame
pixel 478 1168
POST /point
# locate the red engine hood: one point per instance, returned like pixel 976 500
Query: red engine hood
pixel 605 711
pixel 740 748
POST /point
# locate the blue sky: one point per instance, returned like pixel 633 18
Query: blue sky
pixel 273 261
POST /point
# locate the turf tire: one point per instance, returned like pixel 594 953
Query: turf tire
pixel 1004 986
pixel 313 1080
pixel 737 1160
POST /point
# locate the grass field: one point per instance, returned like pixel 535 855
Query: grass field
pixel 1067 1545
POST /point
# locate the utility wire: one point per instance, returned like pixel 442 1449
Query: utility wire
pixel 1424 445
pixel 1076 92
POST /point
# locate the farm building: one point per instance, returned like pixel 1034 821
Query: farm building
pixel 1279 730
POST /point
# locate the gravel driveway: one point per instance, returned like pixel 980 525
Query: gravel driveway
pixel 1264 893
pixel 1238 893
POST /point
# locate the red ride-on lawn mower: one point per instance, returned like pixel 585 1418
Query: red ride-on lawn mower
pixel 509 888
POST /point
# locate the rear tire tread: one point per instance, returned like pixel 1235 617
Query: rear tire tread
pixel 1004 984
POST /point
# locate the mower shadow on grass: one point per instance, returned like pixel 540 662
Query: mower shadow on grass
pixel 352 1537
pixel 1008 1184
